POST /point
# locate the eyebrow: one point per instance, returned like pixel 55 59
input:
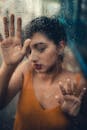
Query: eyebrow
pixel 38 43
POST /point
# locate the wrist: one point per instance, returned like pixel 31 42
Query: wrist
pixel 71 114
pixel 8 68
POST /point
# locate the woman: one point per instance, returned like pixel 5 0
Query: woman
pixel 50 97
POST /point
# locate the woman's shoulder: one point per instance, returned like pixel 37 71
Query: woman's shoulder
pixel 76 76
pixel 24 66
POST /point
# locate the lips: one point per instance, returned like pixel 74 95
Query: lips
pixel 37 66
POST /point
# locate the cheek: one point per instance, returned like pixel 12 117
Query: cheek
pixel 50 56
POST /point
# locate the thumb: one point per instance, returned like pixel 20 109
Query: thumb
pixel 26 47
pixel 59 99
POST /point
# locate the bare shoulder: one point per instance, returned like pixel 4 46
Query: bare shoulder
pixel 24 67
pixel 17 78
pixel 18 74
pixel 75 76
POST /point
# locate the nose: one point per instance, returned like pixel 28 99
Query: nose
pixel 34 58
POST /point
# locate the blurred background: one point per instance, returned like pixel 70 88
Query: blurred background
pixel 72 13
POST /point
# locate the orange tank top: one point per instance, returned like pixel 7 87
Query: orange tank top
pixel 31 116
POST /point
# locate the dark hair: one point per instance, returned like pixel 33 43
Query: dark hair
pixel 50 27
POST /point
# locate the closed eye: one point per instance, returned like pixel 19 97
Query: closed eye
pixel 40 47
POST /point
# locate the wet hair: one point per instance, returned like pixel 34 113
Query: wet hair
pixel 50 27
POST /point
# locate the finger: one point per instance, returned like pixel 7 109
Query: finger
pixel 69 98
pixel 19 28
pixel 1 38
pixel 69 87
pixel 6 29
pixel 75 109
pixel 75 89
pixel 26 47
pixel 82 93
pixel 11 31
pixel 62 88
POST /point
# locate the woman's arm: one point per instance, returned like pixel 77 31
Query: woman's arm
pixel 12 54
pixel 10 83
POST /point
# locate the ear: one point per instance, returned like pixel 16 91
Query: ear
pixel 62 44
pixel 61 47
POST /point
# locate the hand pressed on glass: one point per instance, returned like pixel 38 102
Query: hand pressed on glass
pixel 71 97
pixel 11 47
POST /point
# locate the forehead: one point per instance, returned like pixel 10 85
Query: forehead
pixel 41 38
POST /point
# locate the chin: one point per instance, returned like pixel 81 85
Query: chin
pixel 41 71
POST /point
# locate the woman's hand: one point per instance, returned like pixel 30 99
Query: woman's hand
pixel 11 47
pixel 71 97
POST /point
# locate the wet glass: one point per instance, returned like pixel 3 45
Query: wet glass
pixel 72 13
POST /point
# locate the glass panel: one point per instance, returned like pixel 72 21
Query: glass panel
pixel 72 13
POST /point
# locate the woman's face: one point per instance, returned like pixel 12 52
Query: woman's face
pixel 43 53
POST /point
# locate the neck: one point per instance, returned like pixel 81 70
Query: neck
pixel 51 74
